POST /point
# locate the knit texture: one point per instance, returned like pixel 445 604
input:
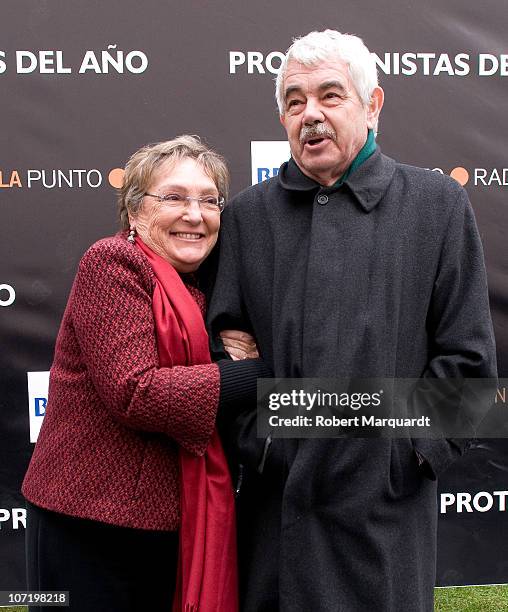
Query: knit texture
pixel 107 449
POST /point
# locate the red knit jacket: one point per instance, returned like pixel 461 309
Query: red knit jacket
pixel 107 449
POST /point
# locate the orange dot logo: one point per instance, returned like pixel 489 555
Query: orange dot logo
pixel 115 177
pixel 461 175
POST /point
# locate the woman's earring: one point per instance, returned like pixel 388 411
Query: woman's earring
pixel 132 235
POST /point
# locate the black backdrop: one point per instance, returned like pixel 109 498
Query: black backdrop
pixel 69 115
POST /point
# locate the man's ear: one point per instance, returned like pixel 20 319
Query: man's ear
pixel 375 106
pixel 282 119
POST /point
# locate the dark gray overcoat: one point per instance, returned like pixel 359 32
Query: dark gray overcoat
pixel 381 277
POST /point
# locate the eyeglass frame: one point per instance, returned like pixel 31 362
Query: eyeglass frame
pixel 187 199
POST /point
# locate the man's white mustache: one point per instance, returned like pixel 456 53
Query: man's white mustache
pixel 320 130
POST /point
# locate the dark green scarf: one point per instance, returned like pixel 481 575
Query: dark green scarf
pixel 365 152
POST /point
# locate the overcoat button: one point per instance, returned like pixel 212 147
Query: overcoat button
pixel 322 199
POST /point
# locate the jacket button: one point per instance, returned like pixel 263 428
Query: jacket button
pixel 322 199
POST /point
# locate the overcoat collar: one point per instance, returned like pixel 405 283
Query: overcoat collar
pixel 368 183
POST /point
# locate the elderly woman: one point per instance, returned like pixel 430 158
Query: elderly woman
pixel 128 458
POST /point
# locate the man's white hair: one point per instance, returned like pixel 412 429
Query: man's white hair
pixel 316 47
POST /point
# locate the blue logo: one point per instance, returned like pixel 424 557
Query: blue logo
pixel 266 173
pixel 40 406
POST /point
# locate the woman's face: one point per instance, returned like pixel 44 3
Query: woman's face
pixel 184 236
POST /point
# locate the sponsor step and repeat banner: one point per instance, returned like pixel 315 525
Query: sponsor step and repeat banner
pixel 86 84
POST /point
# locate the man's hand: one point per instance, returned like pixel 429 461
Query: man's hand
pixel 239 344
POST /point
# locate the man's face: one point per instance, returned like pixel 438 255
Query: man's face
pixel 325 119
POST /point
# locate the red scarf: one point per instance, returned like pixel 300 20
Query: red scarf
pixel 207 566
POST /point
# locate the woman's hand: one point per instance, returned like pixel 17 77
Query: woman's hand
pixel 239 344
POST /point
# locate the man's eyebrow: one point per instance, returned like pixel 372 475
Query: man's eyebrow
pixel 291 89
pixel 333 84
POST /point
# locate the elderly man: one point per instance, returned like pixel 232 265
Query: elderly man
pixel 347 264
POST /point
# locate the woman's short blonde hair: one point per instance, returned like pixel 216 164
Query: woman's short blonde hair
pixel 143 163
